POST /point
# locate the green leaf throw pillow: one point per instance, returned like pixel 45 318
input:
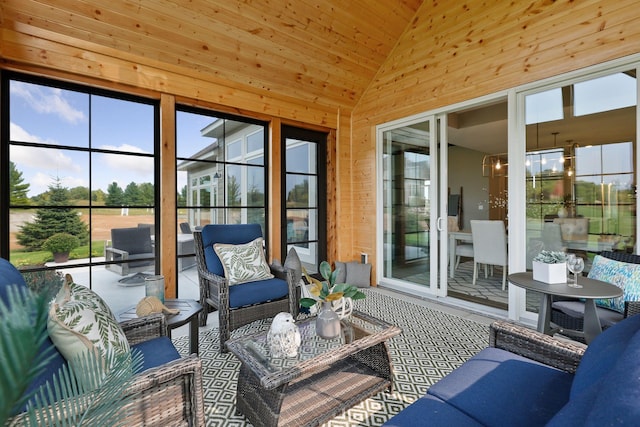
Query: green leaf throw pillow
pixel 79 322
pixel 243 263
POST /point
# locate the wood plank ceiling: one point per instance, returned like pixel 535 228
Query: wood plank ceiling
pixel 325 52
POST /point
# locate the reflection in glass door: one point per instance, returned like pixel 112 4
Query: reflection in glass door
pixel 407 197
pixel 581 169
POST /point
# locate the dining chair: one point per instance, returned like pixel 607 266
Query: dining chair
pixel 463 250
pixel 490 247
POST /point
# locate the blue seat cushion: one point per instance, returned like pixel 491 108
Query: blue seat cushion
pixel 612 399
pixel 496 387
pixel 601 354
pixel 245 294
pixel 156 352
pixel 431 411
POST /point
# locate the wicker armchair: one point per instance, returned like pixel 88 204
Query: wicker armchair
pixel 170 394
pixel 214 287
pixel 574 326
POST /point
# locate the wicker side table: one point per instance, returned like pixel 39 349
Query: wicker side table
pixel 327 378
pixel 189 310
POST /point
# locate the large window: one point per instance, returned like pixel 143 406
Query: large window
pixel 221 169
pixel 78 163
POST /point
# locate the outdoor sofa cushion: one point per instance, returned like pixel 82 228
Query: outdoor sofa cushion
pixel 431 411
pixel 497 387
pixel 606 389
pixel 245 294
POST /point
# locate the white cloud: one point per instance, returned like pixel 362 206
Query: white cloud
pixel 46 159
pixel 18 133
pixel 133 168
pixel 47 100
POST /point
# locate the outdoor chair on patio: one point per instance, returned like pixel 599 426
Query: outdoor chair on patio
pixel 226 285
pixel 132 244
pixel 568 313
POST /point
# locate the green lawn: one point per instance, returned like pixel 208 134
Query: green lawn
pixel 22 258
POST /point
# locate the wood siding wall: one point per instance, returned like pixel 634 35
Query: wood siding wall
pixel 457 51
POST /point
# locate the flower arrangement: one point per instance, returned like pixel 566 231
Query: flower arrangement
pixel 328 290
pixel 550 257
pixel 550 267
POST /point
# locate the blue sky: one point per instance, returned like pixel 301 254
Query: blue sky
pixel 62 118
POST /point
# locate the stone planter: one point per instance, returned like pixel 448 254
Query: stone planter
pixel 59 257
pixel 550 273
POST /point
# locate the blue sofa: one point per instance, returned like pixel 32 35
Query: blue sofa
pixel 168 388
pixel 525 378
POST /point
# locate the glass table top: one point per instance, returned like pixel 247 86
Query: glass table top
pixel 254 350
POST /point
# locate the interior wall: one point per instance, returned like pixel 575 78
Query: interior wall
pixel 465 170
pixel 454 52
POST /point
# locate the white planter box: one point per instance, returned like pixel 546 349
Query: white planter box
pixel 550 273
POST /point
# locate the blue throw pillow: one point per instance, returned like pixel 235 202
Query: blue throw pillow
pixel 624 275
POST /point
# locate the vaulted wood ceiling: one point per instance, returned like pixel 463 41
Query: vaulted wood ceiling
pixel 324 52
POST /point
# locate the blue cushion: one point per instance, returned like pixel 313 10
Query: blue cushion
pixel 429 410
pixel 496 387
pixel 156 352
pixel 576 412
pixel 234 234
pixel 250 293
pixel 624 275
pixel 604 350
pixel 53 366
pixel 612 399
pixel 9 275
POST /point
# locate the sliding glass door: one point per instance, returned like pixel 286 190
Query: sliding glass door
pixel 408 161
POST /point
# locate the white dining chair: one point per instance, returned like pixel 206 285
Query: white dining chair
pixel 490 247
pixel 463 250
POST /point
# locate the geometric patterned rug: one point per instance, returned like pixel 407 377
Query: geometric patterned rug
pixel 485 289
pixel 432 344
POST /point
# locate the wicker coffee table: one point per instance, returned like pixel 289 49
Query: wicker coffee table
pixel 327 377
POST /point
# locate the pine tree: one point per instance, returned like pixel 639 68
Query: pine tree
pixel 115 195
pixel 51 220
pixel 18 190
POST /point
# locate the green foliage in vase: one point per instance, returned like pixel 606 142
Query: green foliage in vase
pixel 328 290
pixel 550 257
